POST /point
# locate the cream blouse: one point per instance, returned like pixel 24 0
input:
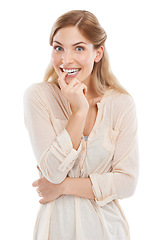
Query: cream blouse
pixel 110 160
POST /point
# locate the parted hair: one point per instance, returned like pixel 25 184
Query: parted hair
pixel 89 26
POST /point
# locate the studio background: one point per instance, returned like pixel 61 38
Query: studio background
pixel 133 45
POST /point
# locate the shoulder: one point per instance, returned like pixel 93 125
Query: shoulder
pixel 122 109
pixel 35 88
pixel 122 106
pixel 33 97
pixel 122 101
pixel 39 91
pixel 32 89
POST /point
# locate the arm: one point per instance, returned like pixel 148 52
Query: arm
pixel 120 182
pixel 80 187
pixel 75 127
pixel 55 154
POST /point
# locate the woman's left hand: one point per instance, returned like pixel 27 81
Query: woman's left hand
pixel 49 191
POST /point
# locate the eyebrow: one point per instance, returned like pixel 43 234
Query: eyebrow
pixel 72 45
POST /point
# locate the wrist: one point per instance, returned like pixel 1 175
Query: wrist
pixel 64 186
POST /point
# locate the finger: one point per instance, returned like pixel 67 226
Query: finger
pixel 61 80
pixel 35 184
pixel 42 201
pixel 73 83
pixel 40 194
pixel 81 87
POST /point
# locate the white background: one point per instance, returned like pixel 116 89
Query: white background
pixel 133 45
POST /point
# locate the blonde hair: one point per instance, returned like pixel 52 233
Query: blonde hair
pixel 88 25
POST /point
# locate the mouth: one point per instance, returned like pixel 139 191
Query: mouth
pixel 70 71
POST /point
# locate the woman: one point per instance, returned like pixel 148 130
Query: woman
pixel 83 129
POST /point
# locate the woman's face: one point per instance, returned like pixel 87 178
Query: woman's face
pixel 75 53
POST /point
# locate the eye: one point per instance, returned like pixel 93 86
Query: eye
pixel 58 48
pixel 79 49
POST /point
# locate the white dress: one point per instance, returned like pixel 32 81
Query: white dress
pixel 111 162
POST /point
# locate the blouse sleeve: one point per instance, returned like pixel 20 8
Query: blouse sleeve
pixel 55 154
pixel 121 181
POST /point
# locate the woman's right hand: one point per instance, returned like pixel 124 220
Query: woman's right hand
pixel 75 93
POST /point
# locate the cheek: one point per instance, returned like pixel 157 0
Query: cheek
pixel 87 59
pixel 55 59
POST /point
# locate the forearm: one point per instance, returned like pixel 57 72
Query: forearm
pixel 80 187
pixel 75 127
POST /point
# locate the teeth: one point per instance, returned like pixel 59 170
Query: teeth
pixel 70 70
pixel 71 73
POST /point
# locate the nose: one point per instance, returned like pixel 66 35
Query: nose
pixel 67 57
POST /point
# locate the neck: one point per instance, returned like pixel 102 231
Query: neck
pixel 91 93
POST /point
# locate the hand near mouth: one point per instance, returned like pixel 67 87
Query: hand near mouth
pixel 75 92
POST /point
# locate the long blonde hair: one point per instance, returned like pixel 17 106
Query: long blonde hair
pixel 88 25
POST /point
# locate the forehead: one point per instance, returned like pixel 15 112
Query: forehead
pixel 70 35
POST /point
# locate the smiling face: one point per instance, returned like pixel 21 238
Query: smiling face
pixel 74 53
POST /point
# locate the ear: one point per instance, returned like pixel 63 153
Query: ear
pixel 99 54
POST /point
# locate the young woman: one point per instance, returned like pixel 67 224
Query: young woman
pixel 83 129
